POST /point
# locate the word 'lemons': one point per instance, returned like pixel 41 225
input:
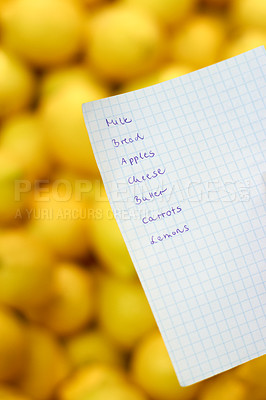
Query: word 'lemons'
pixel 199 41
pixel 124 312
pixel 152 369
pixel 17 84
pixel 44 32
pixel 13 345
pixel 123 42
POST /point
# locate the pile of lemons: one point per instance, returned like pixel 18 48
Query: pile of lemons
pixel 74 321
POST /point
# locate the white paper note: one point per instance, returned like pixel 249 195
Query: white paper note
pixel 182 163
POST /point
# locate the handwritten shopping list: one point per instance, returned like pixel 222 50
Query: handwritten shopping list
pixel 182 163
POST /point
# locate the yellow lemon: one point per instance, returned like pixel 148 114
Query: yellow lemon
pixel 23 137
pixel 167 11
pixel 44 32
pixel 85 380
pixel 170 71
pixel 14 195
pixel 9 393
pixel 26 270
pixel 249 13
pixel 223 388
pixel 60 222
pixel 61 115
pixel 108 243
pixel 99 382
pixel 55 79
pixel 244 41
pixel 124 42
pixel 46 365
pixel 13 345
pixel 152 370
pixel 124 312
pixel 17 84
pixel 92 346
pixel 72 304
pixel 199 41
pixel 78 186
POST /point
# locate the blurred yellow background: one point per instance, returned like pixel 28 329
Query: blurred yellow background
pixel 74 321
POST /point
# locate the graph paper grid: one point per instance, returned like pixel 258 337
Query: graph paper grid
pixel 207 130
